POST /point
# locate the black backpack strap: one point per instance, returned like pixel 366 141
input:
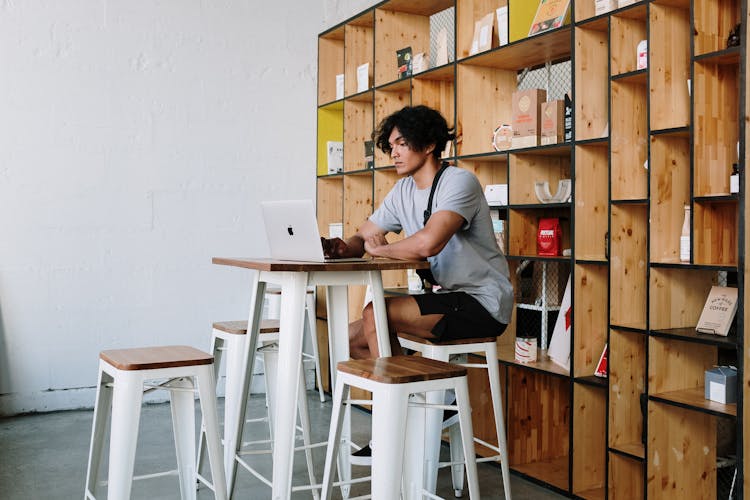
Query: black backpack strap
pixel 428 211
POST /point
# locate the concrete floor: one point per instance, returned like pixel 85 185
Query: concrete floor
pixel 44 456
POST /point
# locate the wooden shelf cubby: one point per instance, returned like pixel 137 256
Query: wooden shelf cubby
pixel 628 250
pixel 645 143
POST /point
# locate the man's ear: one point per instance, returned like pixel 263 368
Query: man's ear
pixel 429 149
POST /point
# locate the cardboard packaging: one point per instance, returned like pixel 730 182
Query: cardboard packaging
pixel 721 384
pixel 553 122
pixel 526 117
pixel 718 311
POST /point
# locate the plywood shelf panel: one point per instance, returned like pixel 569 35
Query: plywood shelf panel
pixel 670 192
pixel 590 285
pixel 625 34
pixel 591 203
pixel 628 257
pixel 358 50
pixel 677 366
pixel 625 478
pixel 627 374
pixel 396 30
pixel 475 124
pixel 527 53
pixel 552 471
pixel 715 114
pixel 589 438
pixel 523 224
pixel 528 169
pixel 685 443
pixel 507 355
pixel 590 103
pixel 358 124
pixel 629 140
pixel 677 296
pixel 715 227
pixel 695 399
pixel 714 19
pixel 669 66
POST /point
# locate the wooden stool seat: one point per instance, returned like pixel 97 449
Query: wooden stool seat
pixel 420 340
pixel 240 327
pixel 401 369
pixel 153 358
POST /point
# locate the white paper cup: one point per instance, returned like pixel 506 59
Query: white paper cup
pixel 526 350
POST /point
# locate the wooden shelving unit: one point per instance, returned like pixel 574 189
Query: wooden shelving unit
pixel 646 143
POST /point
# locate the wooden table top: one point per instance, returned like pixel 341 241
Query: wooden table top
pixel 265 264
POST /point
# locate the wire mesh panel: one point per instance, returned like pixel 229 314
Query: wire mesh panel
pixel 444 20
pixel 541 286
pixel 555 79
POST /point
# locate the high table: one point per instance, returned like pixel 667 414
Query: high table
pixel 294 278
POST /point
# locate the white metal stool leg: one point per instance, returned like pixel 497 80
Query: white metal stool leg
pixel 183 423
pixel 388 434
pixel 126 410
pixel 207 394
pixel 493 372
pixel 102 413
pixel 340 393
pixel 467 435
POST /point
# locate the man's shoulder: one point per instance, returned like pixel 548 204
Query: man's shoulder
pixel 461 176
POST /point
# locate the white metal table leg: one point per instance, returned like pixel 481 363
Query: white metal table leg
pixel 293 290
pixel 236 393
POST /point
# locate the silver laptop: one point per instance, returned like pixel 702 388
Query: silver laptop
pixel 292 232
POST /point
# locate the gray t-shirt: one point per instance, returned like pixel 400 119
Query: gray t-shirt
pixel 471 261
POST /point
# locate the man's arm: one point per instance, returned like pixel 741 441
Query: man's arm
pixel 354 246
pixel 426 242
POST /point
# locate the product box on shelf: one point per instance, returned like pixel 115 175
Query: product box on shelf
pixel 553 122
pixel 526 118
pixel 335 156
pixel 496 194
pixel 721 384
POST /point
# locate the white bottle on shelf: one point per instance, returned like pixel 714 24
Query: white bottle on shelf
pixel 685 237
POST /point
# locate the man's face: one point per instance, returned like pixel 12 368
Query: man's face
pixel 406 160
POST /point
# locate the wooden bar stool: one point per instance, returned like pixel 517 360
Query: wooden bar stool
pixel 228 340
pixel 124 376
pixel 392 380
pixel 442 351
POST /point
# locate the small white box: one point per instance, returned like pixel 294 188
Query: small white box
pixel 496 194
pixel 339 86
pixel 335 155
pixel 363 77
pixel 502 24
pixel 623 3
pixel 721 384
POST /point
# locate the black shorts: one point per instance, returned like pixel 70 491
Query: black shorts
pixel 463 316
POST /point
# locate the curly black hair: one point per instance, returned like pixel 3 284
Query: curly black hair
pixel 420 127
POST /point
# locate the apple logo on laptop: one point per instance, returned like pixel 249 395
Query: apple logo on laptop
pixel 290 231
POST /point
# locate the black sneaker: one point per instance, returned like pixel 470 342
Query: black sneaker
pixel 363 456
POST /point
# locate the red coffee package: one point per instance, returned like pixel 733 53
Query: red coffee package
pixel 549 237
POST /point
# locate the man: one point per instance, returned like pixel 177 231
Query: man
pixel 454 234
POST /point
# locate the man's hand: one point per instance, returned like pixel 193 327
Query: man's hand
pixel 375 243
pixel 334 247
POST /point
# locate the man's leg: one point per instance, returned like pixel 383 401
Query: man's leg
pixel 358 346
pixel 403 316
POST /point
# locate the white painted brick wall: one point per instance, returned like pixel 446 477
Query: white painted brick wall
pixel 136 139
